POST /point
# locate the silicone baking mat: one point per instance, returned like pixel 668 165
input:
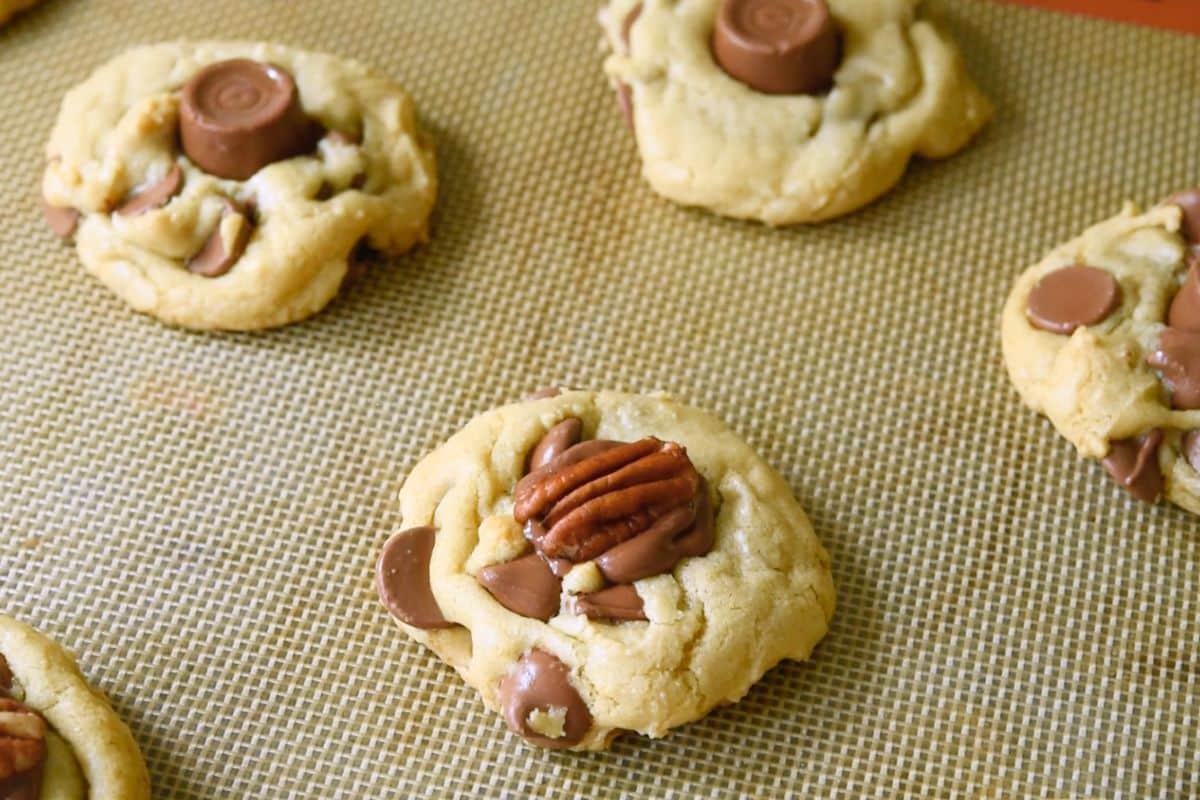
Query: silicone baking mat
pixel 197 515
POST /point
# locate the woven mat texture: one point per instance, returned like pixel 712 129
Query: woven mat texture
pixel 196 515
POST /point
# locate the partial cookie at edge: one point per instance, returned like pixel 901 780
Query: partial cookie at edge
pixel 706 139
pixel 372 180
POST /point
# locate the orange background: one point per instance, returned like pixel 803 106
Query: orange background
pixel 1180 15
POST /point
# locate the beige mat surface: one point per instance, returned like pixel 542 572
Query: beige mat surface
pixel 196 515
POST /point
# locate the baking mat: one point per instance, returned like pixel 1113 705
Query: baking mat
pixel 196 515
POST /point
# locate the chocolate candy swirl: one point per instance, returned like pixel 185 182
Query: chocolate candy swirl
pixel 777 46
pixel 238 116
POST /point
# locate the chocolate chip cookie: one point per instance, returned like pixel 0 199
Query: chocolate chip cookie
pixel 785 111
pixel 230 185
pixel 596 562
pixel 58 737
pixel 1103 337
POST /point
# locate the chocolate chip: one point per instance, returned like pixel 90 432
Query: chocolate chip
pixel 541 682
pixel 525 586
pixel 1072 296
pixel 238 116
pixel 625 104
pixel 1191 449
pixel 156 195
pixel 627 23
pixel 1189 202
pixel 777 46
pixel 6 678
pixel 1133 464
pixel 214 259
pixel 557 440
pixel 1185 308
pixel 402 579
pixel 621 603
pixel 1178 359
pixel 679 534
pixel 62 219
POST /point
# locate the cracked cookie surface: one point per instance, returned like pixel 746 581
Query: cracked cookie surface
pixel 59 738
pixel 235 249
pixel 706 138
pixel 670 620
pixel 1103 338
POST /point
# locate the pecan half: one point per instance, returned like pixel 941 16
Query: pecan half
pixel 590 505
pixel 22 749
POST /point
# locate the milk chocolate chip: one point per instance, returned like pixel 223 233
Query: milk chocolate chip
pixel 541 683
pixel 1178 359
pixel 624 90
pixel 215 258
pixel 625 104
pixel 1072 296
pixel 22 751
pixel 155 195
pixel 525 586
pixel 555 442
pixel 627 24
pixel 621 603
pixel 1189 202
pixel 1185 308
pixel 402 579
pixel 777 46
pixel 62 219
pixel 238 116
pixel 679 534
pixel 1133 464
pixel 1191 449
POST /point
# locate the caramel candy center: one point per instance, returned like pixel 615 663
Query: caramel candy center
pixel 238 116
pixel 777 46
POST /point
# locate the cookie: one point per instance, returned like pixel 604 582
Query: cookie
pixel 58 737
pixel 1103 337
pixel 8 8
pixel 596 562
pixel 785 111
pixel 229 185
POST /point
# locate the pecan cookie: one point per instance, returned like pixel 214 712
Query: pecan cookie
pixel 596 562
pixel 229 185
pixel 785 111
pixel 58 737
pixel 1103 337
